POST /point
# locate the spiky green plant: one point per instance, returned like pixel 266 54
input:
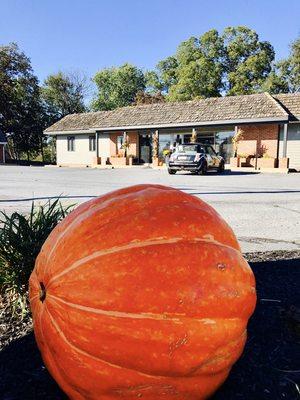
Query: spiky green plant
pixel 21 238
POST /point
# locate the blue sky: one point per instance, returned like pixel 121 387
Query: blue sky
pixel 88 35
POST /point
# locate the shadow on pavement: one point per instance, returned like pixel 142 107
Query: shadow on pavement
pixel 225 173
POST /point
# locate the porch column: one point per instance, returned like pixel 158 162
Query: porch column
pixel 156 143
pixel 285 138
pixel 97 145
pixel 125 143
pixel 194 136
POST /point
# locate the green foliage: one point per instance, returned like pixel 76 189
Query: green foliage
pixel 21 111
pixel 26 109
pixel 117 87
pixel 236 62
pixel 248 60
pixel 153 83
pixel 275 83
pixel 285 74
pixel 49 151
pixel 21 239
pixel 196 70
pixel 289 70
pixel 63 94
pixel 168 72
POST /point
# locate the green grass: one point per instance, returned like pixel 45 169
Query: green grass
pixel 21 238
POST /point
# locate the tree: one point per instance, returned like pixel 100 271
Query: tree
pixel 153 82
pixel 117 86
pixel 294 67
pixel 248 61
pixel 236 62
pixel 21 111
pixel 196 69
pixel 275 83
pixel 285 74
pixel 167 72
pixel 289 70
pixel 63 94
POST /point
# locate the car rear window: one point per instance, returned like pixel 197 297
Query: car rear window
pixel 190 148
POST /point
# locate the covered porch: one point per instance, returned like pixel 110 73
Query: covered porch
pixel 150 146
pixel 259 146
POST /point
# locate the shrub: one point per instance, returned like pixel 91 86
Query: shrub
pixel 21 238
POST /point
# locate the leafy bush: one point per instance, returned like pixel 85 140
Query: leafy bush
pixel 21 238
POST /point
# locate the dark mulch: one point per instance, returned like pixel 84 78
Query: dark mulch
pixel 268 370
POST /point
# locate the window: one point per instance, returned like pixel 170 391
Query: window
pixel 92 143
pixel 190 148
pixel 120 142
pixel 224 145
pixel 71 143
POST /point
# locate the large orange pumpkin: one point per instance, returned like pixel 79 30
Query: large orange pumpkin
pixel 141 293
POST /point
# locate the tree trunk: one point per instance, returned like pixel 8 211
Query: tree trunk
pixel 42 151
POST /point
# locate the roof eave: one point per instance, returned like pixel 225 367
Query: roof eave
pixel 69 132
pixel 194 124
pixel 282 119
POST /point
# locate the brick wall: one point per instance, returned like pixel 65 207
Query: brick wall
pixel 133 143
pixel 113 143
pixel 262 137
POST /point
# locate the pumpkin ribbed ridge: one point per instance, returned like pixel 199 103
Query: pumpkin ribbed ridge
pixel 77 349
pixel 130 246
pixel 122 314
pixel 92 210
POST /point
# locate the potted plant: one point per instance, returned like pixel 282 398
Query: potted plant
pixel 167 153
pixel 194 136
pixel 118 160
pixel 130 159
pixel 126 144
pixel 245 160
pixel 266 161
pixel 238 136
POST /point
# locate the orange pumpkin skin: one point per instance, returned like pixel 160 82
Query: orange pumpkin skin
pixel 146 295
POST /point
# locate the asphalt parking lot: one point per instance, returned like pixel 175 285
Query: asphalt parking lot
pixel 262 209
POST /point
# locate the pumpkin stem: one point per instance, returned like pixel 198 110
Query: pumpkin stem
pixel 42 292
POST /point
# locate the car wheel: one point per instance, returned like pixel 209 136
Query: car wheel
pixel 171 171
pixel 203 169
pixel 221 167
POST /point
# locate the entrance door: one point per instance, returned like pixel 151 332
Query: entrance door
pixel 145 149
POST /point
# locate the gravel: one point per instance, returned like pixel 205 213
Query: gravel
pixel 272 256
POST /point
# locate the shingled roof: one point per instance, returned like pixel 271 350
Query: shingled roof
pixel 247 108
pixel 291 104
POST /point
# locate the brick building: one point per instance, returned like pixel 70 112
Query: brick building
pixel 269 127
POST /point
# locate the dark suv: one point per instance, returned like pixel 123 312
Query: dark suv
pixel 195 157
